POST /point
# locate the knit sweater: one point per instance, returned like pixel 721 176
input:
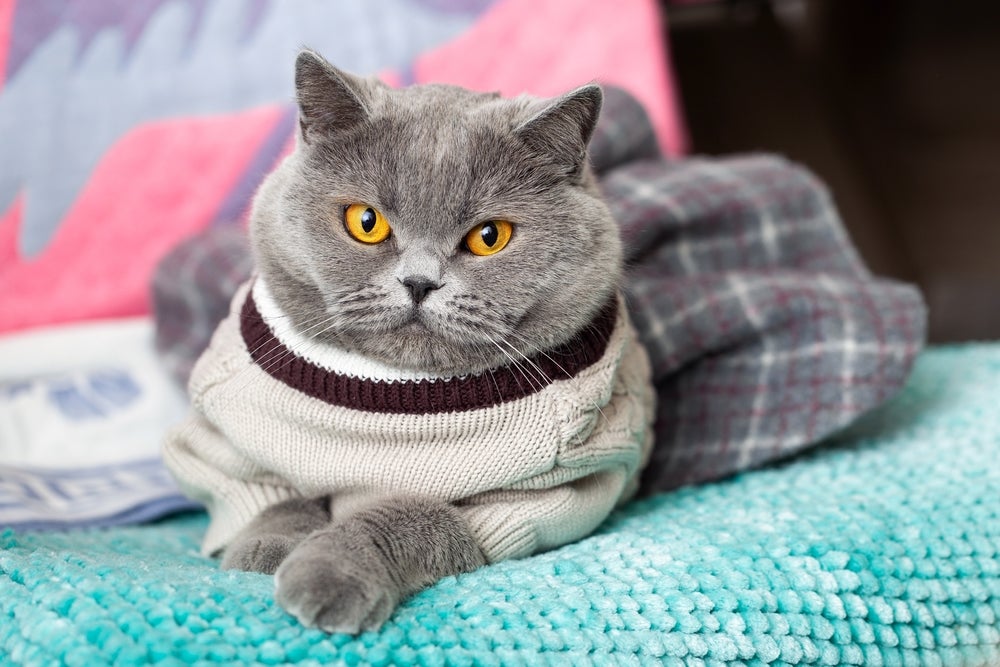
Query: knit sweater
pixel 530 461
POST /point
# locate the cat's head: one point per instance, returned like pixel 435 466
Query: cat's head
pixel 432 228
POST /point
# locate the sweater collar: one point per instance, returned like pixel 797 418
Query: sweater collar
pixel 428 395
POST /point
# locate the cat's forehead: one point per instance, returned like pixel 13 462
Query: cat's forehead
pixel 438 140
pixel 447 107
pixel 440 93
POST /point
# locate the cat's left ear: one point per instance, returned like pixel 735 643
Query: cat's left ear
pixel 562 130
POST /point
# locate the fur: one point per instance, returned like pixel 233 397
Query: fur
pixel 436 160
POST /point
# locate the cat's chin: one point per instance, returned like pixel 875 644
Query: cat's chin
pixel 420 343
pixel 415 347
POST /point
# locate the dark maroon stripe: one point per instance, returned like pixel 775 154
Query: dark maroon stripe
pixel 423 396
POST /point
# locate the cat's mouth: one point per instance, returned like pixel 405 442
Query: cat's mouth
pixel 424 338
pixel 436 336
pixel 414 325
pixel 419 323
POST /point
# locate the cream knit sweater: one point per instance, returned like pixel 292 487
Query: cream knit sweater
pixel 531 464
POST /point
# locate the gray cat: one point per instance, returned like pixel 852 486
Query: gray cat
pixel 433 369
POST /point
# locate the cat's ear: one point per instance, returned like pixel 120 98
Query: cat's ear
pixel 329 100
pixel 562 130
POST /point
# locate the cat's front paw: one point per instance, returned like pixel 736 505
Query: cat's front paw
pixel 257 553
pixel 332 593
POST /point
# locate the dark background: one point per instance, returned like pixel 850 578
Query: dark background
pixel 895 104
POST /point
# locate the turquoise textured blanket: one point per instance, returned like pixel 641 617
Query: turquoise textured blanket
pixel 882 548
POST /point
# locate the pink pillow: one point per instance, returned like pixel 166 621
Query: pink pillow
pixel 136 123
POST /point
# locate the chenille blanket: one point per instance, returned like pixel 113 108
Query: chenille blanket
pixel 880 549
pixel 765 330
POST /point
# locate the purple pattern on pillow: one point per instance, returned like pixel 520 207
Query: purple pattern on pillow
pixel 36 21
pixel 113 65
pixel 463 6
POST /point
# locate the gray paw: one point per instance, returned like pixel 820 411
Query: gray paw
pixel 257 553
pixel 332 594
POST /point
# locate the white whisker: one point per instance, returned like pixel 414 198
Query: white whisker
pixel 538 350
pixel 516 366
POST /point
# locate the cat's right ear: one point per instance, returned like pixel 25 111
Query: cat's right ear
pixel 329 100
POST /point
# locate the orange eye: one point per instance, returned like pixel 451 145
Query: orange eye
pixel 366 224
pixel 489 237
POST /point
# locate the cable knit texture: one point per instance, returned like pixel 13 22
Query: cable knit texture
pixel 880 549
pixel 530 463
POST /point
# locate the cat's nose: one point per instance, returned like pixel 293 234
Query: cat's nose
pixel 419 286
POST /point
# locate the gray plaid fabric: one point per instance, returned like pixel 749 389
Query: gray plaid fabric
pixel 192 288
pixel 765 330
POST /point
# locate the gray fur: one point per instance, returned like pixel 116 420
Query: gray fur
pixel 343 565
pixel 350 576
pixel 437 161
pixel 271 536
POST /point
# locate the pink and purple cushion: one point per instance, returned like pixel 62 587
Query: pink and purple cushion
pixel 129 125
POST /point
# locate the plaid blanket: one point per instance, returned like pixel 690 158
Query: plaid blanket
pixel 765 330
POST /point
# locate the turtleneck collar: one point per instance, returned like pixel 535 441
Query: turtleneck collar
pixel 275 352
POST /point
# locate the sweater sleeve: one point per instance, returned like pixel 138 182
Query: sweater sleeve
pixel 516 523
pixel 208 470
pixel 607 417
pixel 207 467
